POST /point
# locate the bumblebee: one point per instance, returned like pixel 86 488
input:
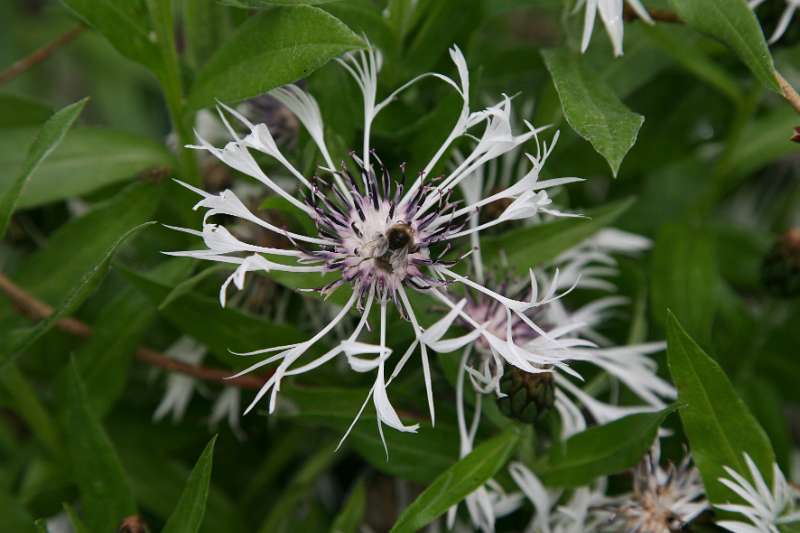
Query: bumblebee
pixel 400 241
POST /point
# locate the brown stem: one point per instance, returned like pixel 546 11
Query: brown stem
pixel 788 92
pixel 39 55
pixel 658 15
pixel 37 309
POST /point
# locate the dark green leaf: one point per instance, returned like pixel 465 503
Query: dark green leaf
pixel 352 514
pixel 188 515
pixel 18 111
pixel 601 450
pixel 458 481
pixel 48 138
pixel 718 425
pixel 27 405
pixel 269 50
pixel 106 497
pixel 206 24
pixel 733 23
pixel 126 25
pixel 15 516
pixel 533 246
pixel 591 107
pixel 74 520
pixel 87 159
pixel 272 3
pixel 685 279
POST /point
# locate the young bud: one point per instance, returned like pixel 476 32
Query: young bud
pixel 528 396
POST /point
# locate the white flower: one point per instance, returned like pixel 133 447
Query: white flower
pixel 180 387
pixel 663 499
pixel 611 13
pixel 764 509
pixel 785 20
pixel 381 236
pixel 227 407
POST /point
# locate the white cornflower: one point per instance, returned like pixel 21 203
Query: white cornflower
pixel 663 500
pixel 764 510
pixel 611 13
pixel 380 236
pixel 180 387
pixel 785 20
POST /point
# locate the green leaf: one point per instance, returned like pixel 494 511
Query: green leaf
pixel 82 290
pixel 222 330
pixel 49 136
pixel 271 49
pixel 591 107
pixel 27 405
pixel 74 520
pixel 206 23
pixel 733 23
pixel 601 450
pixel 685 279
pixel 458 481
pixel 528 247
pixel 188 515
pixel 87 160
pixel 17 111
pixel 126 25
pixel 15 517
pixel 352 513
pixel 718 425
pixel 272 3
pixel 106 497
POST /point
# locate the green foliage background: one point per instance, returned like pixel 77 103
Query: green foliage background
pixel 684 140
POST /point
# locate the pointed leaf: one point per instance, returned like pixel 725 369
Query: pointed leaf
pixel 458 481
pixel 352 514
pixel 188 515
pixel 735 24
pixel 717 423
pixel 591 107
pixel 48 138
pixel 106 497
pixel 601 450
pixel 271 49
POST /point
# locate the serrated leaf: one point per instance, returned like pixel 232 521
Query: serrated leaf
pixel 601 450
pixel 733 23
pixel 271 49
pixel 126 25
pixel 458 481
pixel 718 425
pixel 591 107
pixel 685 279
pixel 188 514
pixel 47 139
pixel 533 246
pixel 106 497
pixel 352 513
pixel 87 160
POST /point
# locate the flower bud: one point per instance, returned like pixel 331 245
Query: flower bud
pixel 529 396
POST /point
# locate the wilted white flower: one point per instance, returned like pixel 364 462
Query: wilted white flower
pixel 611 13
pixel 180 387
pixel 378 234
pixel 785 20
pixel 663 500
pixel 764 510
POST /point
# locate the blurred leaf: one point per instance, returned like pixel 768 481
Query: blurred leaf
pixel 535 245
pixel 15 516
pixel 352 513
pixel 591 107
pixel 222 330
pixel 271 3
pixel 48 138
pixel 188 514
pixel 126 25
pixel 269 50
pixel 733 23
pixel 186 286
pixel 106 497
pixel 601 450
pixel 17 111
pixel 458 481
pixel 365 18
pixel 82 290
pixel 766 404
pixel 718 425
pixel 685 51
pixel 684 279
pixel 280 517
pixel 765 139
pixel 87 159
pixel 74 520
pixel 26 404
pixel 206 24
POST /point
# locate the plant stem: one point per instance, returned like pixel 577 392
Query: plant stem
pixel 39 55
